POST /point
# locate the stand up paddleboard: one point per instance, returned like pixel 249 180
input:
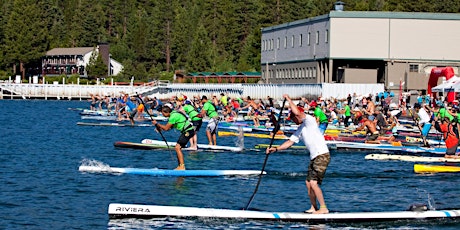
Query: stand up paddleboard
pixel 409 158
pixel 257 135
pixel 167 172
pixel 152 144
pixel 418 168
pixel 113 124
pixel 151 211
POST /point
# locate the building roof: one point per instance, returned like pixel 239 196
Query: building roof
pixel 367 14
pixel 69 51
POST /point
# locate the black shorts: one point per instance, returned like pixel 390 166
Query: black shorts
pixel 197 125
pixel 133 113
pixel 185 138
pixel 372 137
pixel 452 150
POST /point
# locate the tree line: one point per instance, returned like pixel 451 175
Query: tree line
pixel 152 38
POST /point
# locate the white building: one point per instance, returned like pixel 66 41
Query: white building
pixel 70 61
pixel 361 47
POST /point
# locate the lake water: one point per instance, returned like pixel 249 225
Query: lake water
pixel 42 148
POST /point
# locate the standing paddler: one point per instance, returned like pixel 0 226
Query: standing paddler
pixel 210 110
pixel 179 121
pixel 310 134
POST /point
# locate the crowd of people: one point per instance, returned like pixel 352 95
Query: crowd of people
pixel 376 115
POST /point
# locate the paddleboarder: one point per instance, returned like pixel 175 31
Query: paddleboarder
pixel 179 121
pixel 313 139
pixel 210 110
pixel 197 121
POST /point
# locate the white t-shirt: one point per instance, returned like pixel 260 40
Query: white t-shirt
pixel 311 136
pixel 424 117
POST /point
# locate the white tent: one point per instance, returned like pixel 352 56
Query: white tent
pixel 451 85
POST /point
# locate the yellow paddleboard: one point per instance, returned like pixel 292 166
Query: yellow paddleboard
pixel 258 135
pixel 419 168
pixel 343 132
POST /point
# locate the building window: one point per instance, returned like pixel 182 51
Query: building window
pixel 292 41
pixel 413 68
pixel 326 36
pixel 263 45
pixel 278 43
pixel 285 42
pixel 300 40
pixel 308 38
pixel 317 37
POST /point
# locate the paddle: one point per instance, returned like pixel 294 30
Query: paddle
pixel 275 130
pixel 151 117
pixel 425 143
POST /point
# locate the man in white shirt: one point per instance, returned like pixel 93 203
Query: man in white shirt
pixel 313 139
pixel 423 122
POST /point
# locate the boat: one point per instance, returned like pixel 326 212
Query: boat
pixel 156 144
pixel 410 158
pixel 168 172
pixel 419 168
pixel 113 124
pixel 258 135
pixel 118 211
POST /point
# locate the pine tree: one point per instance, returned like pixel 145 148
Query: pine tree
pixel 25 36
pixel 96 67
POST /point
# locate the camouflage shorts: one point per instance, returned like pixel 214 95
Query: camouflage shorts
pixel 317 167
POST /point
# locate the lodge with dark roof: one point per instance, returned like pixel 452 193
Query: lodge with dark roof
pixel 69 61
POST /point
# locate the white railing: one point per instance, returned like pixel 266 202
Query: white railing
pixel 165 90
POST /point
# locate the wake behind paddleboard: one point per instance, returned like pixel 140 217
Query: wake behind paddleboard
pixel 151 211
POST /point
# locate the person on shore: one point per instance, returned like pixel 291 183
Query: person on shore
pixel 179 121
pixel 313 139
pixel 210 110
pixel 197 121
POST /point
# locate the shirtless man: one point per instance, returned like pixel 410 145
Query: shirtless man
pixel 254 111
pixel 370 109
pixel 372 131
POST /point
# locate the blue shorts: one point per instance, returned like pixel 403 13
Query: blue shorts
pixel 322 127
pixel 426 129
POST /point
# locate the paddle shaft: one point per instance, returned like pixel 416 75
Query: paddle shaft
pixel 275 130
pixel 151 117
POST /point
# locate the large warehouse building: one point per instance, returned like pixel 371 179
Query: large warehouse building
pixel 362 47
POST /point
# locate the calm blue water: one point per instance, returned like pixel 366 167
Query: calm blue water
pixel 42 147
